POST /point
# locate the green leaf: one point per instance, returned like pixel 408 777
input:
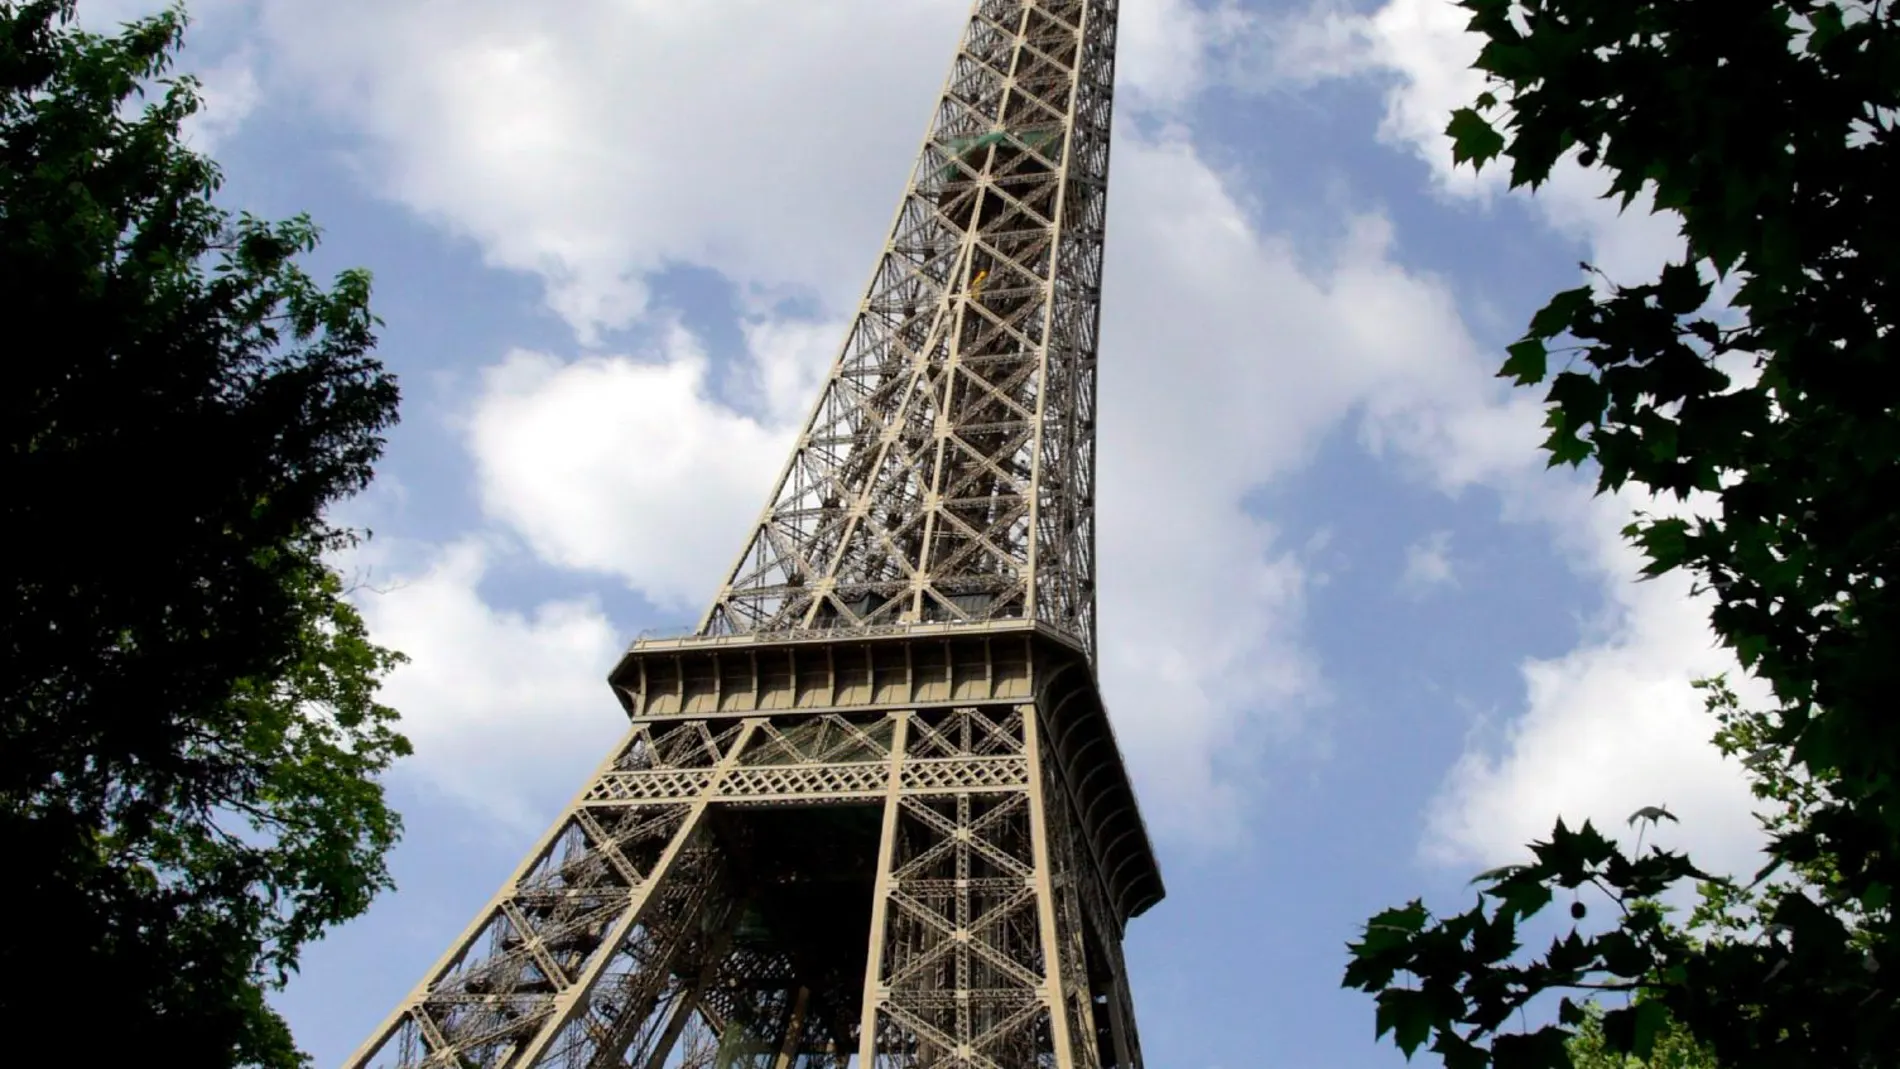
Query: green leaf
pixel 1460 1053
pixel 1680 290
pixel 1632 1030
pixel 1561 312
pixel 1523 896
pixel 1542 1049
pixel 1385 947
pixel 1502 872
pixel 1623 955
pixel 1527 362
pixel 1564 445
pixel 1473 139
pixel 1508 60
pixel 1665 543
pixel 1409 1015
pixel 1827 25
pixel 1393 927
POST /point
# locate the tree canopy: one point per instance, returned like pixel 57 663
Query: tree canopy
pixel 1673 1048
pixel 1768 128
pixel 189 738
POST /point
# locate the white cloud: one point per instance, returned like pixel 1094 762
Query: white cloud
pixel 1611 726
pixel 1225 361
pixel 628 466
pixel 598 147
pixel 229 93
pixel 789 362
pixel 506 710
pixel 762 139
pixel 1428 563
pixel 765 140
pixel 106 16
pixel 1224 364
pixel 1163 48
pixel 1424 54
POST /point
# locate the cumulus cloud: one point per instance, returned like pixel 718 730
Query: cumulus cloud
pixel 629 466
pixel 1421 51
pixel 1613 725
pixel 766 141
pixel 229 92
pixel 1226 359
pixel 1224 364
pixel 598 147
pixel 506 709
pixel 1164 48
pixel 595 148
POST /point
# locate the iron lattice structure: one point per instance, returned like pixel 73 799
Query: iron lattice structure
pixel 872 813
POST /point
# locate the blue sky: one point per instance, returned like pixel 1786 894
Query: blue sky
pixel 1358 642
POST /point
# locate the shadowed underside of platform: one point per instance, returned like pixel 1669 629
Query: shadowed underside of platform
pixel 901 851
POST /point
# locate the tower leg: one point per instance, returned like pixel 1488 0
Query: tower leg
pixel 1060 972
pixel 881 898
pixel 686 1007
pixel 570 957
pixel 793 1031
pixel 976 950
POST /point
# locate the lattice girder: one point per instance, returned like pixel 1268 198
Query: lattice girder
pixel 941 476
pixel 957 910
pixel 872 813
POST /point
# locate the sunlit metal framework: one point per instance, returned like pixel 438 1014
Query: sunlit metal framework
pixel 872 813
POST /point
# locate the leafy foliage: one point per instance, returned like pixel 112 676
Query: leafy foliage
pixel 1673 1047
pixel 1768 127
pixel 189 737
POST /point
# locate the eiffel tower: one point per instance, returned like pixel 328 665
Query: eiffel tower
pixel 871 812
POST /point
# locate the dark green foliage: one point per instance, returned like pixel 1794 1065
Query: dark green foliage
pixel 1669 1045
pixel 189 737
pixel 1768 126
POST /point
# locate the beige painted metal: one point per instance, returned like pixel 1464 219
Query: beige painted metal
pixel 991 935
pixel 947 471
pixel 446 963
pixel 893 691
pixel 881 896
pixel 1059 979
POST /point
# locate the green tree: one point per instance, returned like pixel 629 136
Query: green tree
pixel 189 736
pixel 1674 1048
pixel 1768 128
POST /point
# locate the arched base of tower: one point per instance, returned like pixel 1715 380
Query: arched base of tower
pixel 886 863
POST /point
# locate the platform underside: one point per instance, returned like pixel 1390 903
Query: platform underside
pixel 1005 663
pixel 904 875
